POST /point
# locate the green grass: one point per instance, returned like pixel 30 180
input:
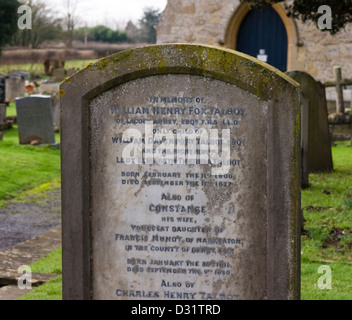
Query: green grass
pixel 25 167
pixel 48 264
pixel 341 284
pixel 38 68
pixel 327 239
pixel 51 290
pixel 80 64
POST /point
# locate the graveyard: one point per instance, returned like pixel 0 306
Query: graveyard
pixel 326 206
pixel 195 167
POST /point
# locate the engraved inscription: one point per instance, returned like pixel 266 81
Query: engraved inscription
pixel 175 162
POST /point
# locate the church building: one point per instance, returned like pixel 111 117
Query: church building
pixel 269 34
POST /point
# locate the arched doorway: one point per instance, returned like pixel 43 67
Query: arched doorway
pixel 262 31
pixel 250 30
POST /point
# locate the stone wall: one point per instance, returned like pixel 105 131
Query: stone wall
pixel 206 21
pixel 191 21
pixel 321 51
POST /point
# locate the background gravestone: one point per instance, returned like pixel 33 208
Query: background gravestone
pixel 2 104
pixel 23 74
pixel 319 141
pixel 2 90
pixel 53 90
pixel 224 228
pixel 14 88
pixel 59 74
pixel 35 119
pixel 2 114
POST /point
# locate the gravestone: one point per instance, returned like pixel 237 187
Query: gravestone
pixel 180 177
pixel 317 150
pixel 51 64
pixel 2 90
pixel 53 90
pixel 35 119
pixel 70 72
pixel 14 88
pixel 2 103
pixel 2 113
pixel 59 74
pixel 24 74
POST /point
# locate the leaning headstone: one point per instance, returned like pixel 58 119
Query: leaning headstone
pixel 35 119
pixel 180 177
pixel 316 127
pixel 14 88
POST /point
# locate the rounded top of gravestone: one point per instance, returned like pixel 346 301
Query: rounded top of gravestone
pixel 246 72
pixel 300 76
pixel 307 82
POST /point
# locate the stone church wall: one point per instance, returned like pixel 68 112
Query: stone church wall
pixel 207 21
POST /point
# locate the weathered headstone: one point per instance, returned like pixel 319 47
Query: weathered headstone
pixel 180 177
pixel 35 119
pixel 14 88
pixel 315 134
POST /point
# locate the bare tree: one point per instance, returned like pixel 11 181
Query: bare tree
pixel 70 20
pixel 45 26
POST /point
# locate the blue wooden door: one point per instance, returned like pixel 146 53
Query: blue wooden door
pixel 263 29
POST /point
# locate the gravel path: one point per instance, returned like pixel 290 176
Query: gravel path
pixel 21 221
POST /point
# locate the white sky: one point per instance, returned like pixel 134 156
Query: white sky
pixel 112 13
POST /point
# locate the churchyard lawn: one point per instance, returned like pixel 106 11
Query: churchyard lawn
pixel 38 68
pixel 25 167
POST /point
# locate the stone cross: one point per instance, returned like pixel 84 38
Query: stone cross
pixel 339 83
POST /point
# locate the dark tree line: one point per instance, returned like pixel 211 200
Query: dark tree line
pixel 144 31
pixel 99 33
